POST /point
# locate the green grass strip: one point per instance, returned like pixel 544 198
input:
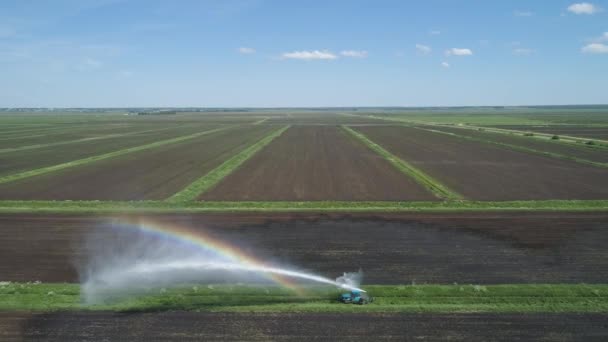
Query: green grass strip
pixel 117 207
pixel 560 298
pixel 53 168
pixel 419 176
pixel 520 148
pixel 213 177
pixel 67 142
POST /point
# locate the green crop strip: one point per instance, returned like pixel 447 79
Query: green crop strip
pixel 519 148
pixel 53 168
pixel 206 182
pixel 67 142
pixel 117 207
pixel 561 298
pixel 419 176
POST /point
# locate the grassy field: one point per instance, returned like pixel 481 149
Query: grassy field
pixel 404 298
pixel 285 206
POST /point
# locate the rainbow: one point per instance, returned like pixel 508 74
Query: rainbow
pixel 202 240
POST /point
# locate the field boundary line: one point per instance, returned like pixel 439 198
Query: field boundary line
pixel 564 139
pixel 113 207
pixel 419 176
pixel 259 122
pixel 87 160
pixel 535 297
pixel 213 177
pixel 519 148
pixel 67 142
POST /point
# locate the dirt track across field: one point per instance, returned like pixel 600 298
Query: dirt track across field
pixel 485 172
pixel 391 249
pixel 317 163
pixel 192 326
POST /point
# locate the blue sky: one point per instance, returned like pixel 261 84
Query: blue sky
pixel 263 53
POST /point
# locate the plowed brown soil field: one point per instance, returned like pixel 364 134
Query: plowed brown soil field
pixel 151 174
pixel 317 163
pixel 391 249
pixel 193 326
pixel 18 161
pixel 486 172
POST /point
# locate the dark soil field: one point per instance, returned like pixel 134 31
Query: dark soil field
pixel 315 163
pixel 575 131
pixel 74 133
pixel 17 161
pixel 326 118
pixel 390 249
pixel 193 326
pixel 152 174
pixel 486 172
pixel 583 152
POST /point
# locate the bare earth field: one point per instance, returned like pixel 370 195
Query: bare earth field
pixel 321 119
pixel 582 152
pixel 70 133
pixel 192 326
pixel 485 172
pixel 391 249
pixel 313 163
pixel 17 161
pixel 152 174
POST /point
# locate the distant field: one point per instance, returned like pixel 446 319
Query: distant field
pixel 152 174
pixel 571 150
pixel 589 132
pixel 310 163
pixel 485 172
pixel 13 162
pixel 322 119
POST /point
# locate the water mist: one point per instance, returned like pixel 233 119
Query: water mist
pixel 123 258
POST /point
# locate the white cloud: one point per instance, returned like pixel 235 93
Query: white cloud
pixel 458 52
pixel 602 38
pixel 423 49
pixel 522 51
pixel 583 8
pixel 354 53
pixel 434 32
pixel 523 13
pixel 309 55
pixel 246 50
pixel 595 48
pixel 445 64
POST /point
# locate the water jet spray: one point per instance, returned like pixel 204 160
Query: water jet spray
pixel 151 254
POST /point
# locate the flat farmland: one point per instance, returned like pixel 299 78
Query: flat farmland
pixel 316 163
pixel 486 172
pixel 583 152
pixel 17 161
pixel 157 173
pixel 474 248
pixel 326 118
pixel 197 326
pixel 75 133
pixel 590 132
